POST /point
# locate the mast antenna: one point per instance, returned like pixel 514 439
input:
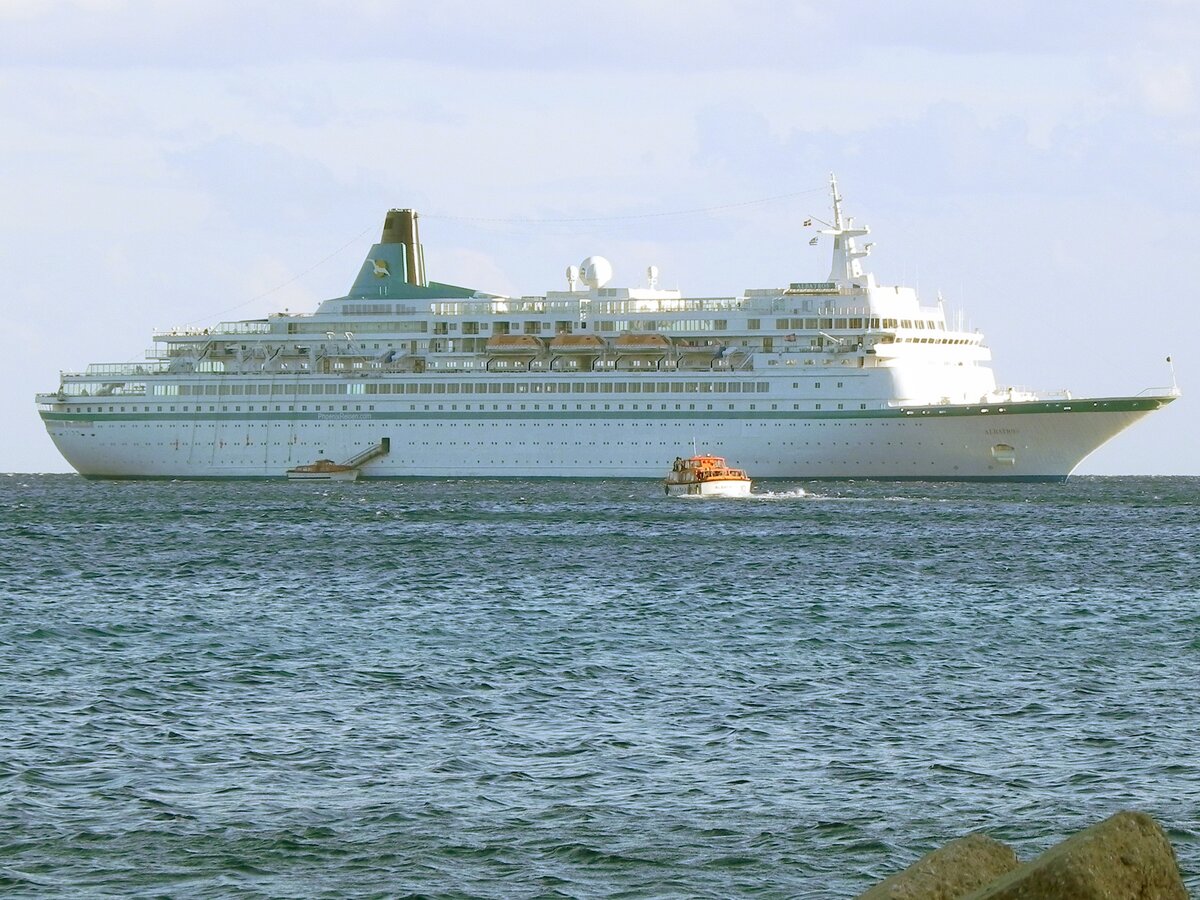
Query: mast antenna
pixel 837 201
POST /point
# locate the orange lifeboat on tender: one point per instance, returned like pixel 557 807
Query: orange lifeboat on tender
pixel 705 476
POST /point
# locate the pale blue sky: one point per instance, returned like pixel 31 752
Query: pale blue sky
pixel 164 164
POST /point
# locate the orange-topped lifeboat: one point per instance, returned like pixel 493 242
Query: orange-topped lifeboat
pixel 705 476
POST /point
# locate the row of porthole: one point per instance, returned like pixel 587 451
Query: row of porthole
pixel 467 407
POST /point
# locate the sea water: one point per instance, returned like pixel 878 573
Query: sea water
pixel 582 688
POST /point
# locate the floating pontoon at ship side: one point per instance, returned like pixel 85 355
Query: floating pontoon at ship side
pixel 843 378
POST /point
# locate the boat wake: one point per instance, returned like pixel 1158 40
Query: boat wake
pixel 794 494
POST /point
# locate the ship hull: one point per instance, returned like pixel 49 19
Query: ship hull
pixel 708 489
pixel 1026 441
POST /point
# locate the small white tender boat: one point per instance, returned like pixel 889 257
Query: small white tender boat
pixel 705 476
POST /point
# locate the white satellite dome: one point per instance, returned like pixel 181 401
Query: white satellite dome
pixel 596 272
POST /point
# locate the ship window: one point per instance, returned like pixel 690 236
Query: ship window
pixel 816 406
pixel 763 386
pixel 720 324
pixel 781 324
pixel 753 324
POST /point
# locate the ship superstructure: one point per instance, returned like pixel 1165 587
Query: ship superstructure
pixel 843 378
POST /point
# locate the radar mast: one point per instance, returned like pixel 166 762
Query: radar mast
pixel 846 255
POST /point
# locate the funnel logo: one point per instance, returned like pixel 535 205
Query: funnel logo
pixel 381 268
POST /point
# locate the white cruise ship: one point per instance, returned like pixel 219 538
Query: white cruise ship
pixel 843 378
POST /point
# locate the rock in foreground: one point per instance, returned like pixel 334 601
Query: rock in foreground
pixel 1126 857
pixel 949 872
